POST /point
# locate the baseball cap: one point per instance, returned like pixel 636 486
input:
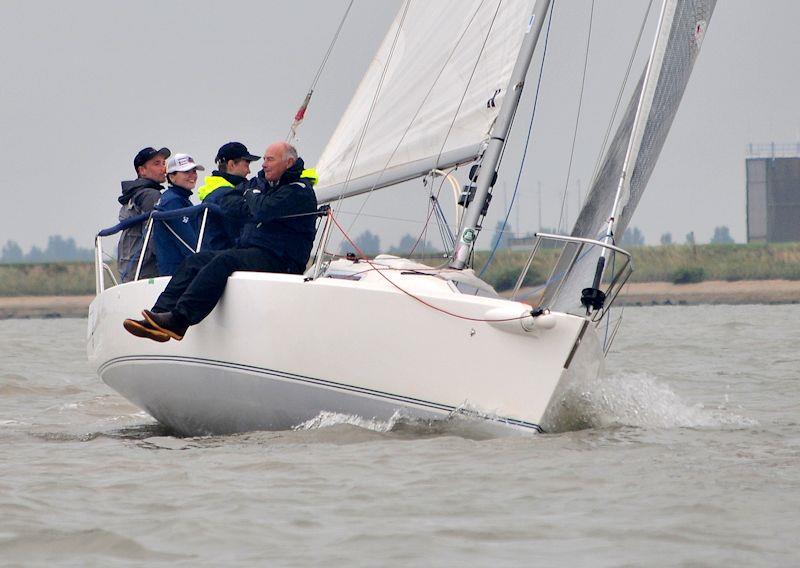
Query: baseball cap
pixel 148 153
pixel 234 151
pixel 182 163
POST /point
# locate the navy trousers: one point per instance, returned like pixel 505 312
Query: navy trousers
pixel 200 280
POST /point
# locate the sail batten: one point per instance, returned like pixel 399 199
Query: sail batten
pixel 432 90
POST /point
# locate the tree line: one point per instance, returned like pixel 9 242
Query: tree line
pixel 503 238
pixel 634 237
pixel 58 249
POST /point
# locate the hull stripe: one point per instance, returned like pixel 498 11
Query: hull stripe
pixel 309 380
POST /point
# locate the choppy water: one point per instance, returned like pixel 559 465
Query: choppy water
pixel 691 458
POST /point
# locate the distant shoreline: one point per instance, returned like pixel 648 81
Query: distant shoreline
pixel 635 294
pixel 709 292
pixel 712 292
pixel 27 307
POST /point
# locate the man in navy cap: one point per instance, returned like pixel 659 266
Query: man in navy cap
pixel 233 166
pixel 140 196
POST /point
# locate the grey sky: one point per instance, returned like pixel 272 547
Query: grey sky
pixel 88 83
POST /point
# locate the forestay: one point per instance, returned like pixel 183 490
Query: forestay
pixel 683 26
pixel 430 96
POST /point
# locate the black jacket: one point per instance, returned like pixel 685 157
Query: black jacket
pixel 144 193
pixel 222 232
pixel 266 207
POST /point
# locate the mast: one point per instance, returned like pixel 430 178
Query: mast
pixel 593 297
pixel 491 156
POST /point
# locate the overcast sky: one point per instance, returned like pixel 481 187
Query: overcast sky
pixel 86 84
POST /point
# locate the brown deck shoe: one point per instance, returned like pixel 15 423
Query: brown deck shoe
pixel 140 328
pixel 167 322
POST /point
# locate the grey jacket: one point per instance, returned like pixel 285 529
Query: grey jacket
pixel 138 196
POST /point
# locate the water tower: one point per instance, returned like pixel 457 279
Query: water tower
pixel 773 193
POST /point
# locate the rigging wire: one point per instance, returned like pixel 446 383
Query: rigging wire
pixel 428 218
pixel 301 112
pixel 619 95
pixel 608 310
pixel 419 109
pixel 461 102
pixel 603 147
pixel 441 222
pixel 577 116
pixel 469 81
pixel 527 141
pixel 374 103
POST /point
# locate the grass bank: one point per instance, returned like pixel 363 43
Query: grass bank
pixel 48 279
pixel 678 264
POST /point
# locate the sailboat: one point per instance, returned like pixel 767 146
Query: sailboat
pixel 389 336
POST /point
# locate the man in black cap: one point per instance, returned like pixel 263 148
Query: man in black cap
pixel 233 166
pixel 140 196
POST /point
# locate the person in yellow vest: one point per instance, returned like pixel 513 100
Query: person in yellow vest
pixel 233 166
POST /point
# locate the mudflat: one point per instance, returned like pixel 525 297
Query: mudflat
pixel 708 292
pixel 712 292
pixel 44 306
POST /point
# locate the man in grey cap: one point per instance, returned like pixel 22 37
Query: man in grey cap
pixel 140 196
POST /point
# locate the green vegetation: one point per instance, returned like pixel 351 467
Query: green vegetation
pixel 673 263
pixel 680 264
pixel 50 279
pixel 716 262
pixel 506 266
pixel 688 275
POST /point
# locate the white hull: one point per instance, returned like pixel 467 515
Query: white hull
pixel 277 351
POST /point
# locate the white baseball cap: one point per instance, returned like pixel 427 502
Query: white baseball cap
pixel 182 163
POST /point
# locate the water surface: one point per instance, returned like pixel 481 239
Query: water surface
pixel 690 457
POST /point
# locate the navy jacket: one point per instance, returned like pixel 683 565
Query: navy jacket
pixel 266 226
pixel 170 252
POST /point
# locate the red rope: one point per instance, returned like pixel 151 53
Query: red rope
pixel 406 292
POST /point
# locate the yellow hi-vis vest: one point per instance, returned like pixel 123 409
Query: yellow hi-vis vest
pixel 212 183
pixel 311 175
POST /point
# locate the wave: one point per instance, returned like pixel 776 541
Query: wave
pixel 464 423
pixel 633 399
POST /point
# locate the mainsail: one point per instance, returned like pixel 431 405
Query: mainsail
pixel 430 96
pixel 639 137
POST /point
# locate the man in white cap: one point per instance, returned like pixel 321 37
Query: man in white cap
pixel 176 238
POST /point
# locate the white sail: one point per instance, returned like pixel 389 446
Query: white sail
pixel 430 96
pixel 637 143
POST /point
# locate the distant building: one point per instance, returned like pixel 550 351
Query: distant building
pixel 773 193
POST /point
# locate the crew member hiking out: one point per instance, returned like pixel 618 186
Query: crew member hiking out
pixel 279 207
pixel 140 196
pixel 233 166
pixel 176 238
